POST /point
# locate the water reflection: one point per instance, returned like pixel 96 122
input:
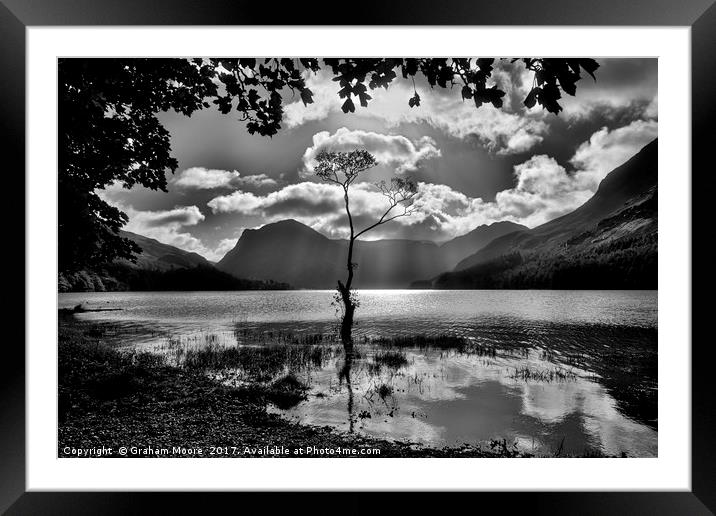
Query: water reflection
pixel 345 376
pixel 574 372
pixel 450 399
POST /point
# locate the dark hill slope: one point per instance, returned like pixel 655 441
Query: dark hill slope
pixel 608 242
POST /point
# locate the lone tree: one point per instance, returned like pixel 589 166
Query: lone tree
pixel 342 169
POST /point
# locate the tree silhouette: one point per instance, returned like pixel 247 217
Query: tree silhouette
pixel 109 131
pixel 342 169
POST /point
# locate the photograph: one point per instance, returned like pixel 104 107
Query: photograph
pixel 357 257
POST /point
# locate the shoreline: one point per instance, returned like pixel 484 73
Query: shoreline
pixel 109 401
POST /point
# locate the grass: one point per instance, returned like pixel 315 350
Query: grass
pixel 547 375
pixel 91 371
pixel 247 335
pixel 441 342
pixel 118 398
pixel 393 359
pixel 258 363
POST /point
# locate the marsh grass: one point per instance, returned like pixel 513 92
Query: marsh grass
pixel 120 394
pixel 258 363
pixel 247 335
pixel 545 375
pixel 436 342
pixel 393 359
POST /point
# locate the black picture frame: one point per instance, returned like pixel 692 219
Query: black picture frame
pixel 700 15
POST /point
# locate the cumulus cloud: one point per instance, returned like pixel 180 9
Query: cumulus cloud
pixel 201 178
pixel 605 150
pixel 503 131
pixel 171 227
pixel 224 246
pixel 168 226
pixel 318 205
pixel 623 87
pixel 305 199
pixel 301 199
pixel 174 218
pixel 652 109
pixel 325 101
pixel 392 150
pixel 543 189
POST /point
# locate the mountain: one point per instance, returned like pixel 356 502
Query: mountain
pixel 156 255
pixel 608 242
pixel 291 252
pixel 159 267
pixel 462 246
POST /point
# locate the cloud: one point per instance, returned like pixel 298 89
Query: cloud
pixel 174 218
pixel 543 190
pixel 201 178
pixel 224 246
pixel 168 226
pixel 623 86
pixel 301 199
pixel 305 199
pixel 652 109
pixel 395 151
pixel 325 101
pixel 318 205
pixel 503 131
pixel 606 150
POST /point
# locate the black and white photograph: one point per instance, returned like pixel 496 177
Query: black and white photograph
pixel 357 257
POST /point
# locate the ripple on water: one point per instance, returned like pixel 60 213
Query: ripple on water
pixel 604 344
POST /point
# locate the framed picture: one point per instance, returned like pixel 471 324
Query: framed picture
pixel 324 240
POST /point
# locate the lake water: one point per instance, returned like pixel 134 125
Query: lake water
pixel 571 372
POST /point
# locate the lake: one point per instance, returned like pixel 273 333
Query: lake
pixel 569 372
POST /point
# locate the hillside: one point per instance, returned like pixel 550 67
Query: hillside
pixel 156 255
pixel 159 267
pixel 460 247
pixel 608 242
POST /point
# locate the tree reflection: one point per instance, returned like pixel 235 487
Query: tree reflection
pixel 345 374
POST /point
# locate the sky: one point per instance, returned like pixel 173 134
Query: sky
pixel 473 166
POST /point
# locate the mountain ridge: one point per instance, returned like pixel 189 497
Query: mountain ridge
pixel 297 254
pixel 160 255
pixel 610 241
pixel 159 267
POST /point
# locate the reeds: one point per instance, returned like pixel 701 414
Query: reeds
pixel 393 359
pixel 545 375
pixel 259 363
pixel 442 342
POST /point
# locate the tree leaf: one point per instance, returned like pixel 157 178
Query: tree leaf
pixel 348 106
pixel 590 66
pixel 531 98
pixel 306 96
